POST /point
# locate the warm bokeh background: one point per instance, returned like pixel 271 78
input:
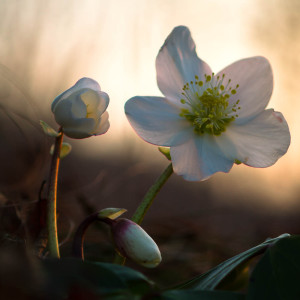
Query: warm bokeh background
pixel 46 46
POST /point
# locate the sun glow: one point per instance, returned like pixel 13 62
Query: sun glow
pixel 96 39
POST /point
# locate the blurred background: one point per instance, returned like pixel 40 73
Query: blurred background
pixel 46 46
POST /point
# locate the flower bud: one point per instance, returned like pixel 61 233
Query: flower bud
pixel 133 242
pixel 81 110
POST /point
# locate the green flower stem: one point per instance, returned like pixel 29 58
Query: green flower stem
pixel 151 194
pixel 51 207
pixel 146 203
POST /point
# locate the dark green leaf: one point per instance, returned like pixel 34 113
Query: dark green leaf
pixel 277 274
pixel 211 279
pixel 98 278
pixel 196 295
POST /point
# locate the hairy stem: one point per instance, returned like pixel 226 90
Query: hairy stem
pixel 52 192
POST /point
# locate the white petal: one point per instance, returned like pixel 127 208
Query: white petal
pixel 255 79
pixel 63 113
pixel 260 142
pixel 103 125
pixel 104 101
pixel 67 112
pixel 177 63
pixel 83 83
pixel 91 99
pixel 86 83
pixel 95 101
pixel 83 129
pixel 199 158
pixel 79 108
pixel 157 121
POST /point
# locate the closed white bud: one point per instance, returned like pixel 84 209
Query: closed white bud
pixel 81 110
pixel 133 242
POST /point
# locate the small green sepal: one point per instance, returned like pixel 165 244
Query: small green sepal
pixel 111 213
pixel 64 151
pixel 49 130
pixel 237 162
pixel 165 151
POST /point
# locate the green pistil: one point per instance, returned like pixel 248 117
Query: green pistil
pixel 209 110
pixel 238 162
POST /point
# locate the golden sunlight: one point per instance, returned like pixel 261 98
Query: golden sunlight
pixel 48 45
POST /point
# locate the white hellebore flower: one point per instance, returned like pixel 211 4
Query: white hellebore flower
pixel 81 110
pixel 133 242
pixel 210 121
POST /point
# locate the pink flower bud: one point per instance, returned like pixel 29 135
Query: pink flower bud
pixel 133 242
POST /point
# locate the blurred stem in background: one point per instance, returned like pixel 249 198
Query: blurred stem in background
pixel 140 212
pixel 52 192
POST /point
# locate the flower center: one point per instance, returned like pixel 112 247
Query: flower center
pixel 209 109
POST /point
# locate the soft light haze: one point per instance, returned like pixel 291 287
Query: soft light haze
pixel 48 45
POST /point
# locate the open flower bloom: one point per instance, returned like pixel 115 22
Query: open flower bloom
pixel 210 121
pixel 81 110
pixel 133 242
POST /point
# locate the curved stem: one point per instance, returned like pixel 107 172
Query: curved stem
pixel 77 249
pixel 151 194
pixel 140 212
pixel 52 192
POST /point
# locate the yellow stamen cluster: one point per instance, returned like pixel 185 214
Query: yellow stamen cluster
pixel 207 105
